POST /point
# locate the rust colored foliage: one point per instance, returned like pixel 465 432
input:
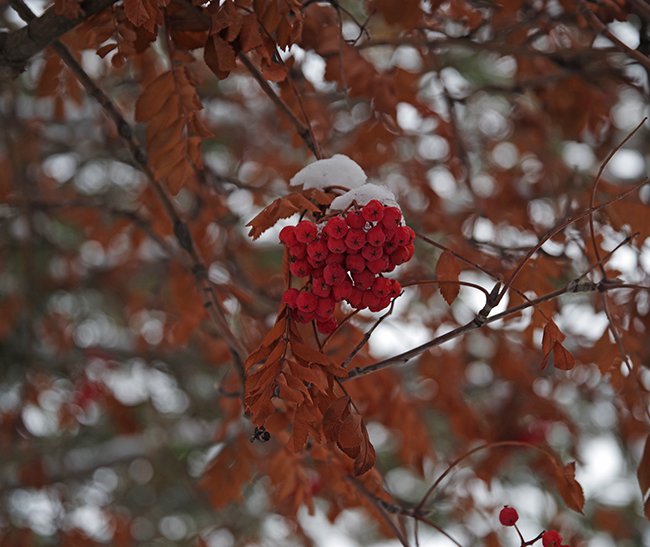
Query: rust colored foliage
pixel 266 259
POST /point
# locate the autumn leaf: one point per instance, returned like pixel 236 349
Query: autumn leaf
pixel 568 486
pixel 447 271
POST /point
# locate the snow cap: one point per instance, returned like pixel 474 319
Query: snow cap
pixel 339 170
pixel 363 195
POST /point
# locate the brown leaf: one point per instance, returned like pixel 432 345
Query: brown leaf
pixel 366 457
pixel 333 418
pixel 551 336
pixel 350 434
pixel 267 217
pixel 568 487
pixel 562 358
pixel 448 269
pixel 154 96
pixel 249 36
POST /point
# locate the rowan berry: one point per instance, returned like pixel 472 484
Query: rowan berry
pixel 333 274
pixel 336 228
pixel 508 516
pixel 342 290
pixel 404 235
pixel 325 308
pixel 355 239
pixel 298 250
pixel 400 256
pixel 396 288
pixel 390 246
pixel 304 317
pixel 306 302
pixel 335 258
pixel 315 263
pixel 363 280
pixel 392 218
pixel 355 263
pixel 289 297
pixel 336 245
pixel 320 288
pixel 551 538
pixel 355 220
pixel 382 287
pixel 378 266
pixel 381 304
pixel 326 326
pixel 371 253
pixel 370 300
pixel 288 236
pixel 376 236
pixel 355 298
pixel 317 250
pixel 317 273
pixel 373 211
pixel 306 231
pixel 300 268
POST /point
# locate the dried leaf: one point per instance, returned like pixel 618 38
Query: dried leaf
pixel 562 358
pixel 568 487
pixel 448 269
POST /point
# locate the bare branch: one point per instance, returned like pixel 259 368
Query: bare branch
pixel 19 46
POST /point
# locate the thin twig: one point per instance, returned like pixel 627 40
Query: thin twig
pixel 301 128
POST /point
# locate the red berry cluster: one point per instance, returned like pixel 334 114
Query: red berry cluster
pixel 508 516
pixel 344 259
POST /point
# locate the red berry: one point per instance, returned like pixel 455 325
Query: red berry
pixel 381 304
pixel 551 538
pixel 317 273
pixel 382 287
pixel 306 231
pixel 396 288
pixel 363 280
pixel 289 297
pixel 288 236
pixel 508 516
pixel 299 250
pixel 342 291
pixel 336 228
pixel 320 288
pixel 336 245
pixel 300 268
pixel 306 302
pixel 335 258
pixel 315 263
pixel 392 217
pixel 325 308
pixel 355 297
pixel 355 239
pixel 371 253
pixel 370 300
pixel 304 317
pixel 355 263
pixel 333 274
pixel 373 211
pixel 390 246
pixel 317 250
pixel 355 220
pixel 376 236
pixel 378 266
pixel 400 256
pixel 326 326
pixel 404 235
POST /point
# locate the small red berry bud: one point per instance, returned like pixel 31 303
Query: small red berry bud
pixel 289 297
pixel 392 217
pixel 404 235
pixel 333 274
pixel 336 245
pixel 306 302
pixel 376 236
pixel 363 280
pixel 355 239
pixel 300 268
pixel 298 250
pixel 508 516
pixel 326 326
pixel 373 211
pixel 355 263
pixel 378 266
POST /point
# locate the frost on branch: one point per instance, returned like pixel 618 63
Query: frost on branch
pixel 363 195
pixel 339 170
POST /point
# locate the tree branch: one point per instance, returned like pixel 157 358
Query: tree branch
pixel 19 46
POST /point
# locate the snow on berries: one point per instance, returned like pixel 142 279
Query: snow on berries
pixel 344 258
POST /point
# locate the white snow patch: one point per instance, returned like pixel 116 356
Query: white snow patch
pixel 363 195
pixel 339 170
